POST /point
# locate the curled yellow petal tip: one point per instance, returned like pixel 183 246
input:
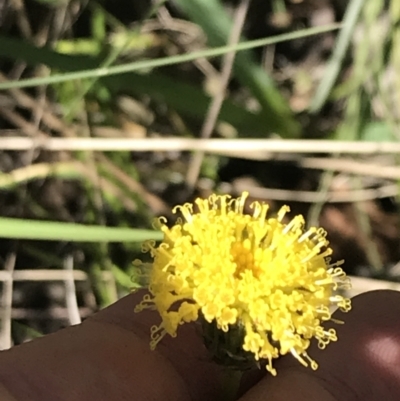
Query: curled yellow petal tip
pixel 270 283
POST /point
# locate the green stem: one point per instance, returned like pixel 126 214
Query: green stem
pixel 230 384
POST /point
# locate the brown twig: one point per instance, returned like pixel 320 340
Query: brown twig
pixel 216 103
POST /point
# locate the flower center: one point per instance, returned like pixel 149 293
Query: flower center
pixel 243 256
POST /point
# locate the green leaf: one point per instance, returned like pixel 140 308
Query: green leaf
pixel 378 131
pixel 333 67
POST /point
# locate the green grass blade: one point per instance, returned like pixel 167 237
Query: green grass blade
pixel 333 68
pixel 123 278
pixel 144 64
pixel 181 96
pixel 60 231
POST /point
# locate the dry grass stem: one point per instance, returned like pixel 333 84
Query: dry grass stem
pixel 216 146
pixel 216 103
pixel 360 195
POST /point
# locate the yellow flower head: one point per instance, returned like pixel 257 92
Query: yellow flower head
pixel 273 282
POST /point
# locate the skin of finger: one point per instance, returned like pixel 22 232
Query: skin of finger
pixel 102 363
pixel 364 364
pixel 186 352
pixel 5 394
pixel 188 355
pixel 108 357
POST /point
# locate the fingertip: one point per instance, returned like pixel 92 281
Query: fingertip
pixel 364 363
pixel 380 306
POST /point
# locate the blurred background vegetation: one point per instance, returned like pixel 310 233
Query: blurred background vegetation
pixel 100 106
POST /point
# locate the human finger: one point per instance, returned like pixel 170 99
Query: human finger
pixel 108 358
pixel 363 364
